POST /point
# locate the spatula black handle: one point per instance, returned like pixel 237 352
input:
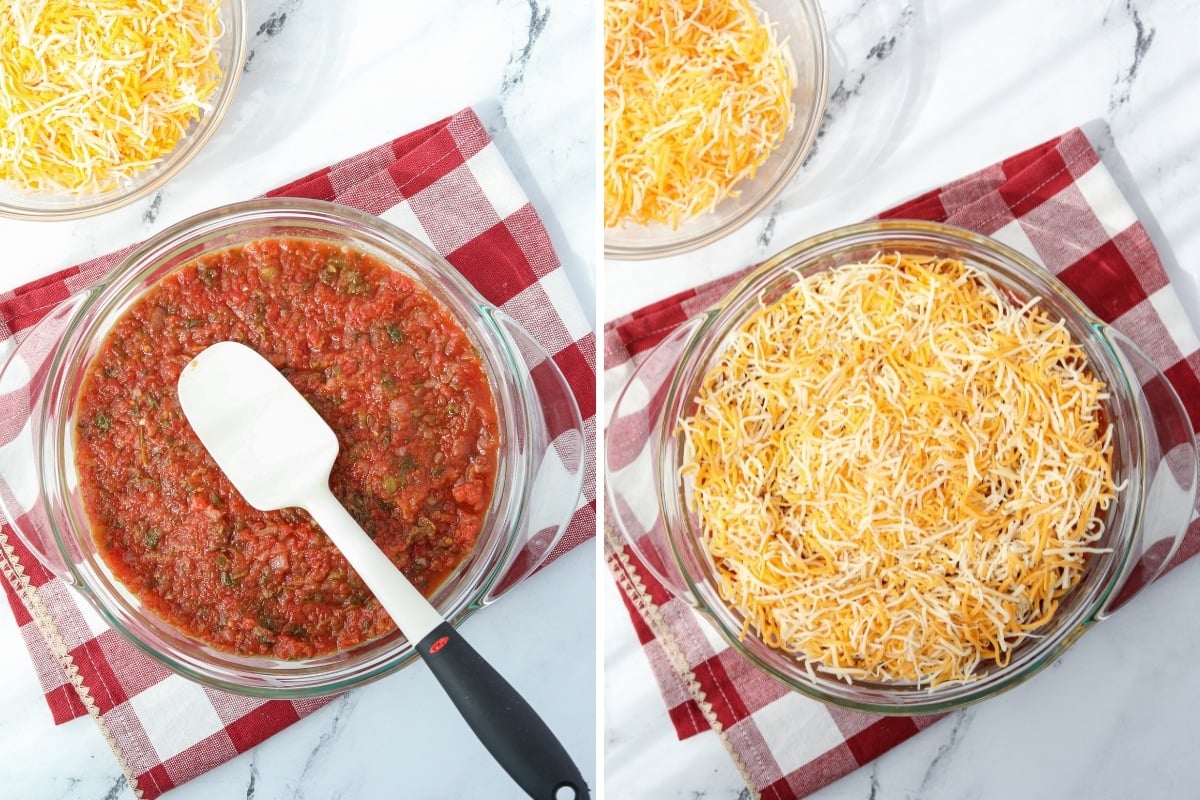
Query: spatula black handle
pixel 504 722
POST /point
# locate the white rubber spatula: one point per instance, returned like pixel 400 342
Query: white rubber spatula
pixel 278 452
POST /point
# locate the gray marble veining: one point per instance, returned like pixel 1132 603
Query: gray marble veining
pixel 1143 38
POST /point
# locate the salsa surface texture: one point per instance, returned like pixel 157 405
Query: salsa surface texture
pixel 378 357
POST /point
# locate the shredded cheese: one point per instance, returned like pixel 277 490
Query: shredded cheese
pixel 898 472
pixel 93 91
pixel 696 97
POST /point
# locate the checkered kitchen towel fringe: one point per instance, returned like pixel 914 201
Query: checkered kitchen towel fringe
pixel 1055 203
pixel 446 183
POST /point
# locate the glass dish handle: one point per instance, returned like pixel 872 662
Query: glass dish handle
pixel 1172 473
pixel 556 442
pixel 24 372
pixel 633 452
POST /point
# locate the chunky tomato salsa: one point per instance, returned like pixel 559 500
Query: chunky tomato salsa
pixel 382 361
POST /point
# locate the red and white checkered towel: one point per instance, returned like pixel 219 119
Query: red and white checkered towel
pixel 1055 203
pixel 446 183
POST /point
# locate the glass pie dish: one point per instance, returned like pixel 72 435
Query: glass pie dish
pixel 1154 462
pixel 539 469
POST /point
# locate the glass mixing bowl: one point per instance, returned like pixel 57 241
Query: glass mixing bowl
pixel 800 27
pixel 48 205
pixel 1155 460
pixel 539 470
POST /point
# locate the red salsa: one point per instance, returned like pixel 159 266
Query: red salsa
pixel 381 360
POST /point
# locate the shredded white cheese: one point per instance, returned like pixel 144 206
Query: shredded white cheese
pixel 899 473
pixel 93 91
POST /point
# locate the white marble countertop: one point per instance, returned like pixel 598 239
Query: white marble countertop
pixel 923 92
pixel 325 81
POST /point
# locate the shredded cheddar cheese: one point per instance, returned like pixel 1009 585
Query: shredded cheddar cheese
pixel 898 472
pixel 93 91
pixel 696 97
